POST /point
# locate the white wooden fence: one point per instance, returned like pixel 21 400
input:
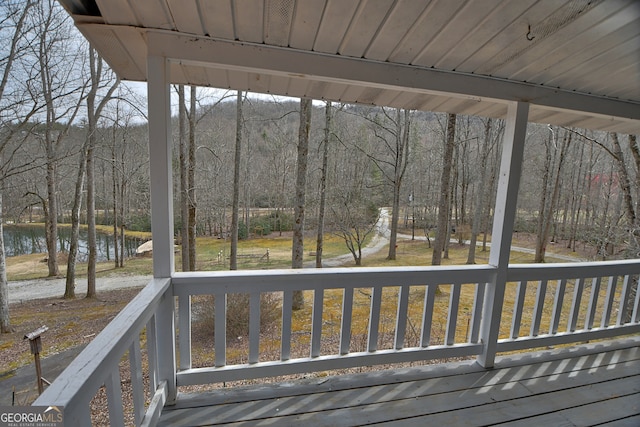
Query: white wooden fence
pixel 570 303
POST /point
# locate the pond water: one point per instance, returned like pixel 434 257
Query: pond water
pixel 24 240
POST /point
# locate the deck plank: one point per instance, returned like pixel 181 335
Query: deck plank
pixel 548 388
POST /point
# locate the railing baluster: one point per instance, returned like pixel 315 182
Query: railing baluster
pixel 608 302
pixel 254 327
pixel 541 293
pixel 401 317
pixel 575 305
pixel 427 314
pixel 476 313
pixel 152 354
pixel 557 307
pixel 184 336
pixel 316 322
pixel 593 302
pixel 624 297
pixel 137 387
pixel 374 318
pixel 114 398
pixel 287 313
pixel 345 328
pixel 452 319
pixel 517 309
pixel 635 316
pixel 220 329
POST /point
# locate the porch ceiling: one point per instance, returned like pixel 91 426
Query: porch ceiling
pixel 577 62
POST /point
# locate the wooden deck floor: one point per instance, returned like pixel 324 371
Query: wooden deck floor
pixel 593 384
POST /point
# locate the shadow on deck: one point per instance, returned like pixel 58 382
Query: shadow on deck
pixel 591 384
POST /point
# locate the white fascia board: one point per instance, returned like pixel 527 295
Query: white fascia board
pixel 289 62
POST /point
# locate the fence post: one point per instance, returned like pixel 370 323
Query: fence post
pixel 503 220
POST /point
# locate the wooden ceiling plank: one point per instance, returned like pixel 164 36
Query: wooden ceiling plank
pixel 298 87
pixel 259 83
pixel 571 58
pixel 306 21
pixel 186 16
pixel 117 12
pixel 368 19
pixel 479 36
pixel 454 32
pixel 500 46
pixel 598 71
pixel 218 78
pixel 217 18
pixel 336 19
pixel 419 38
pixel 249 20
pixel 152 13
pixel 542 46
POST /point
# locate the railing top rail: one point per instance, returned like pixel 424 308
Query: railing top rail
pixel 86 373
pixel 569 270
pixel 334 278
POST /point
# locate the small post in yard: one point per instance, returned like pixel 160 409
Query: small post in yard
pixel 36 347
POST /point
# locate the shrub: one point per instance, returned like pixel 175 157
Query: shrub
pixel 238 310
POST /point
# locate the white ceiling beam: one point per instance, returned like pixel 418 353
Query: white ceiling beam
pixel 348 70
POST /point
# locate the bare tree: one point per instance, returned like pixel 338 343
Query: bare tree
pixel 393 131
pixel 184 179
pixel 297 250
pixel 12 28
pixel 481 192
pixel 354 220
pixel 323 184
pixel 63 92
pixel 444 205
pixel 552 173
pixel 93 113
pixel 98 79
pixel 235 210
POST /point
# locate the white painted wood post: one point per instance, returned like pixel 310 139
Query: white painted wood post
pixel 159 99
pixel 160 152
pixel 503 220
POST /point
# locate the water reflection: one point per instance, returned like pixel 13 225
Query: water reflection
pixel 23 240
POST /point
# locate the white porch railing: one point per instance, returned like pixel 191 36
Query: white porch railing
pixel 571 303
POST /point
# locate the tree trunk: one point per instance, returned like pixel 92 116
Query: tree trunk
pixel 5 322
pixel 480 194
pixel 91 224
pixel 51 221
pixel 297 251
pixel 323 185
pixel 70 283
pixel 235 209
pixel 184 181
pixel 547 209
pixel 403 123
pixel 445 192
pixel 114 194
pixel 191 170
pixel 14 49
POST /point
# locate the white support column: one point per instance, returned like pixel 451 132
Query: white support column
pixel 160 152
pixel 159 99
pixel 503 220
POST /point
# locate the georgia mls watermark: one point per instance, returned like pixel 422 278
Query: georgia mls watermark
pixel 31 416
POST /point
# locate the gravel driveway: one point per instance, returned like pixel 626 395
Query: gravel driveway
pixel 24 290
